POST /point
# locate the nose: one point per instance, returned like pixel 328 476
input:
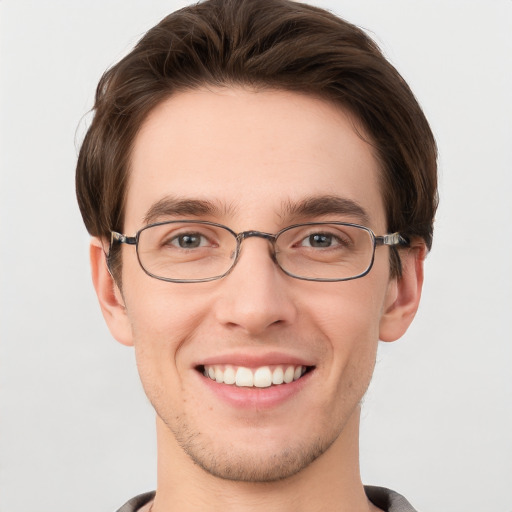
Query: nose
pixel 257 294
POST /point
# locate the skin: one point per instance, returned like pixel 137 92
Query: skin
pixel 251 153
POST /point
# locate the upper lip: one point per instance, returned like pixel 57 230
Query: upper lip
pixel 255 360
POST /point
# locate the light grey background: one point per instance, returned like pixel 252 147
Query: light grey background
pixel 76 432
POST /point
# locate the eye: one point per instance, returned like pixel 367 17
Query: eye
pixel 318 240
pixel 322 241
pixel 189 241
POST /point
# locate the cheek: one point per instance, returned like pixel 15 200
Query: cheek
pixel 349 319
pixel 353 335
pixel 160 313
pixel 162 323
pixel 346 322
pixel 350 311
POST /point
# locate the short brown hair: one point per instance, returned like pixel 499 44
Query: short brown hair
pixel 277 44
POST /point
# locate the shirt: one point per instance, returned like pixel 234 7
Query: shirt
pixel 385 499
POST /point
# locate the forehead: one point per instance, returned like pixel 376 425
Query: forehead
pixel 253 155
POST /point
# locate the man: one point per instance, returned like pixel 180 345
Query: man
pixel 260 186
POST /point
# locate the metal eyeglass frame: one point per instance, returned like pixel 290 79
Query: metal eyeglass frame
pixel 390 239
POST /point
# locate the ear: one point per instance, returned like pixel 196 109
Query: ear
pixel 404 293
pixel 109 296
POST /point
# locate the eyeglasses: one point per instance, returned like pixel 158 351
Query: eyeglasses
pixel 197 251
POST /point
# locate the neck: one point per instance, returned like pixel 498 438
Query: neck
pixel 331 482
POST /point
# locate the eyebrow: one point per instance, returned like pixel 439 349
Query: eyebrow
pixel 171 206
pixel 314 206
pixel 318 206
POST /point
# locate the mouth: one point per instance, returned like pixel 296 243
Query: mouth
pixel 260 377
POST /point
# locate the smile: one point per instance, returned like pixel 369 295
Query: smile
pixel 262 377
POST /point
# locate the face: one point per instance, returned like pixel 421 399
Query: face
pixel 254 158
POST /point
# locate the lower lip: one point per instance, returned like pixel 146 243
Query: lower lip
pixel 252 397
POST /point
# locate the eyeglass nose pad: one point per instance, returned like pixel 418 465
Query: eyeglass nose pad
pixel 256 234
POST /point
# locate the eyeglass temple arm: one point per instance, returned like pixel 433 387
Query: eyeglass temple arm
pixel 122 239
pixel 392 240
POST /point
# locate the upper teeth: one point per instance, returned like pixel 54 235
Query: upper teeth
pixel 261 377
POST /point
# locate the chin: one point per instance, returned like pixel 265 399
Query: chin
pixel 257 459
pixel 256 468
